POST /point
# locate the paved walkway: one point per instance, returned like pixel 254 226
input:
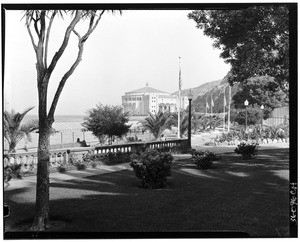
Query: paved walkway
pixel 30 181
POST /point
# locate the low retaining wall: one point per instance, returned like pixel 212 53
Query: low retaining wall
pixel 61 156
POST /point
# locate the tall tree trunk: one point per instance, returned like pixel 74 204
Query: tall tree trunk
pixel 41 218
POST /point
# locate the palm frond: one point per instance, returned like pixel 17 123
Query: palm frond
pixel 14 131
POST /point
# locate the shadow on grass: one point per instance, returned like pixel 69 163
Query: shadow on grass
pixel 240 195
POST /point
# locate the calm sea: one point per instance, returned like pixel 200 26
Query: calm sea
pixel 56 139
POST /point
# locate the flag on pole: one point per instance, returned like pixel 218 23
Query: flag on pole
pixel 224 109
pixel 229 101
pixel 211 105
pixel 180 79
pixel 179 99
pixel 224 99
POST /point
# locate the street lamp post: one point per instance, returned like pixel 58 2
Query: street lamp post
pixel 246 104
pixel 262 115
pixel 190 97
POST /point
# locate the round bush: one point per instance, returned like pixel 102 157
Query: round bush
pixel 61 169
pixel 247 150
pixel 94 164
pixel 152 167
pixel 80 166
pixel 204 159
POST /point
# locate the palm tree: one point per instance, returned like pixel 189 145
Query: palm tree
pixel 14 131
pixel 195 122
pixel 214 121
pixel 157 123
pixel 204 122
pixel 184 121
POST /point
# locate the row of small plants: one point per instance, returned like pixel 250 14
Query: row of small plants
pixel 75 162
pixel 93 160
pixel 255 133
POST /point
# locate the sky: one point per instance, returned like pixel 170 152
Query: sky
pixel 123 54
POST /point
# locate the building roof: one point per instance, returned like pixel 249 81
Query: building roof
pixel 146 89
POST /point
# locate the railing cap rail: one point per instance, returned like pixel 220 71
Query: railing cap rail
pixel 78 149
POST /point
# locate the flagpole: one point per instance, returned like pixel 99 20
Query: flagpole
pixel 229 101
pixel 211 104
pixel 206 105
pixel 179 101
pixel 224 108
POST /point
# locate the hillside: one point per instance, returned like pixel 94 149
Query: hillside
pixel 214 89
pixel 201 90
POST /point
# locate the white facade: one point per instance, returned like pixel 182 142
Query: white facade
pixel 148 99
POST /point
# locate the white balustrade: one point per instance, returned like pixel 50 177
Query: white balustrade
pixel 62 155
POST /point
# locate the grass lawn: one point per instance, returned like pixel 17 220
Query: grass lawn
pixel 236 195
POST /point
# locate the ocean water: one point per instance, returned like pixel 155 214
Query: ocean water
pixel 57 138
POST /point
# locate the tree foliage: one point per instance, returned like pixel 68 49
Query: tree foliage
pixel 254 40
pixel 260 90
pixel 184 121
pixel 254 115
pixel 157 123
pixel 15 131
pixel 107 121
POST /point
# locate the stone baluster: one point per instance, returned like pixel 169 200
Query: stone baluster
pixel 23 162
pixel 66 158
pixel 18 160
pixel 5 161
pixel 35 160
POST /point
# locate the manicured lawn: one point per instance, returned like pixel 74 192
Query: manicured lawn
pixel 237 195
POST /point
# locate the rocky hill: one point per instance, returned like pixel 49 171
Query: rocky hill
pixel 201 90
pixel 214 89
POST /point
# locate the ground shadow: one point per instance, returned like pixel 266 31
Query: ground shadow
pixel 240 195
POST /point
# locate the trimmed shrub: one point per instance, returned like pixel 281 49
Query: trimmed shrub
pixel 116 158
pixel 175 150
pixel 204 159
pixel 163 149
pixel 80 166
pixel 210 143
pixel 61 169
pixel 73 159
pixel 152 167
pixel 93 164
pixel 12 171
pixel 247 150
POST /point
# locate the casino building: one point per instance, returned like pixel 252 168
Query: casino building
pixel 148 99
